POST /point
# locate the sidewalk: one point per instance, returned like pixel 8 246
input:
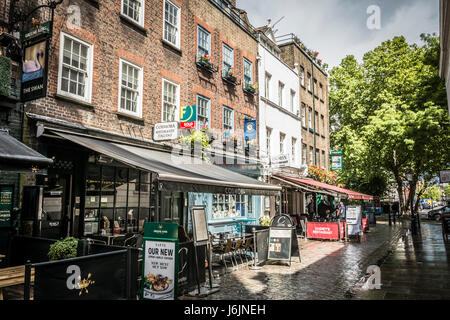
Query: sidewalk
pixel 418 269
pixel 328 270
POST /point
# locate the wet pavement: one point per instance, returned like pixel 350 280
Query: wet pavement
pixel 328 270
pixel 418 269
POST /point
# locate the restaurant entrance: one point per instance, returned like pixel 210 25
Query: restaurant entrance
pixel 173 207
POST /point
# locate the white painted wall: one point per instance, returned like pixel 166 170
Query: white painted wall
pixel 274 118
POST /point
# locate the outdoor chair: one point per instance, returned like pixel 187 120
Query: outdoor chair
pixel 131 241
pixel 120 241
pixel 223 251
pixel 248 248
pixel 235 251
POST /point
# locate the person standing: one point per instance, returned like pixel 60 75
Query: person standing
pixel 341 210
pixel 311 208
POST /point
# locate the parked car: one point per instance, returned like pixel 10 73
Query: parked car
pixel 436 213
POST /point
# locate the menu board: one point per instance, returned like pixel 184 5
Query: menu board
pixel 280 244
pixel 6 205
pixel 159 270
pixel 200 226
pixel 353 215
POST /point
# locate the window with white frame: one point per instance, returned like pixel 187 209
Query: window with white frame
pixel 130 93
pixel 302 76
pixel 171 101
pixel 248 72
pixel 203 111
pixel 304 154
pixel 134 10
pixel 280 93
pixel 292 102
pixel 268 138
pixel 172 23
pixel 309 82
pixel 293 150
pixel 310 118
pixel 303 114
pixel 321 91
pixel 323 160
pixel 203 42
pixel 282 140
pixel 267 85
pixel 227 59
pixel 311 156
pixel 75 68
pixel 228 121
pixel 322 118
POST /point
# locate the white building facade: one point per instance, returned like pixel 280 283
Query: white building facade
pixel 279 121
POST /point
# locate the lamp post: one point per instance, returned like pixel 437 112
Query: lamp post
pixel 410 177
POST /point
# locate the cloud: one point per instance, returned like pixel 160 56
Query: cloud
pixel 337 28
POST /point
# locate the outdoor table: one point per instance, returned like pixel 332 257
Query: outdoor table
pixel 13 276
pixel 109 237
pixel 330 230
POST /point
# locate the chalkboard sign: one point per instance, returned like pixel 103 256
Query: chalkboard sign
pixel 280 241
pixel 199 225
pixel 6 204
pixel 282 220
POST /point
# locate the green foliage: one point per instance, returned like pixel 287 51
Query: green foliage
pixel 63 249
pixel 390 115
pixel 5 76
pixel 432 192
pixel 447 191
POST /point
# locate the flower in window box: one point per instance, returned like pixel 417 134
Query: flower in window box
pixel 319 61
pixel 251 87
pixel 231 75
pixel 205 60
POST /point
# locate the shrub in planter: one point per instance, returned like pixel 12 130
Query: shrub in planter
pixel 63 249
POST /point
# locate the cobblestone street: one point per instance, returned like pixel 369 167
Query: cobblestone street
pixel 329 270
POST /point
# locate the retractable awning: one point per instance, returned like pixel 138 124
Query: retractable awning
pixel 175 172
pixel 312 183
pixel 333 194
pixel 16 156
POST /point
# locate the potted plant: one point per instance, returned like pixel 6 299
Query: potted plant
pixel 205 61
pixel 63 249
pixel 231 75
pixel 251 88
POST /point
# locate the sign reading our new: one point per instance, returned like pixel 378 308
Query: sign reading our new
pixel 160 263
pixel 188 117
pixel 35 62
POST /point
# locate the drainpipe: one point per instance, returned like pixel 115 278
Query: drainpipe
pixel 314 111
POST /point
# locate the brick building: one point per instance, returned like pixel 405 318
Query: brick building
pixel 115 69
pixel 314 103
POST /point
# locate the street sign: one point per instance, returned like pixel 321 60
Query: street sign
pixel 165 131
pixel 280 160
pixel 160 263
pixel 188 117
pixel 444 176
pixel 336 160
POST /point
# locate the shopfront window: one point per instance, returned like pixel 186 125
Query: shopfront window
pixel 225 206
pixel 118 199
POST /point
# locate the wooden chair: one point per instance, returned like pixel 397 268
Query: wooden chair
pixel 248 247
pixel 235 250
pixel 223 251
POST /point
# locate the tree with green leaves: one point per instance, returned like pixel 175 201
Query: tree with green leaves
pixel 432 192
pixel 389 115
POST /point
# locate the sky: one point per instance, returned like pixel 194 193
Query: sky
pixel 337 28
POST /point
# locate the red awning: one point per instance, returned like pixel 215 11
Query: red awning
pixel 350 193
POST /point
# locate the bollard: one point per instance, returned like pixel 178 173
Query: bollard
pixel 254 267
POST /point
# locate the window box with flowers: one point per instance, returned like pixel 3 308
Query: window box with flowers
pixel 205 63
pixel 230 77
pixel 251 88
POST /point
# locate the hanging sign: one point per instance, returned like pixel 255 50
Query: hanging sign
pixel 336 160
pixel 250 130
pixel 6 205
pixel 280 244
pixel 188 117
pixel 34 71
pixel 165 131
pixel 160 263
